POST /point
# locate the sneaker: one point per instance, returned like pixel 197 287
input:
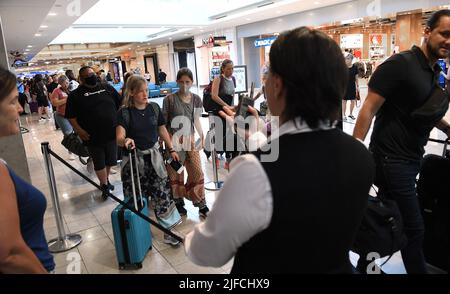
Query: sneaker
pixel 345 118
pixel 203 212
pixel 71 157
pixel 105 191
pixel 170 240
pixel 352 117
pixel 181 210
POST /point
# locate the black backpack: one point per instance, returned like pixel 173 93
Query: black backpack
pixel 208 103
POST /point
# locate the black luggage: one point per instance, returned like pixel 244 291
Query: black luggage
pixel 433 189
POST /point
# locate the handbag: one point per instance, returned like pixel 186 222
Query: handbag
pixel 74 144
pixel 381 229
pixel 434 109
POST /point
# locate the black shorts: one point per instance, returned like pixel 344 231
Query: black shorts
pixel 103 155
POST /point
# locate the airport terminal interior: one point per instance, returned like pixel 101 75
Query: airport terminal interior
pixel 154 39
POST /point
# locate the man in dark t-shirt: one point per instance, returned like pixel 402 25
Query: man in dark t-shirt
pixel 92 111
pixel 400 86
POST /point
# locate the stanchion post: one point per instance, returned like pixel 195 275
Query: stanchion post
pixel 215 185
pixel 63 242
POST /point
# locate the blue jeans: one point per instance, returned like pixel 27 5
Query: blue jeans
pixel 64 124
pixel 396 180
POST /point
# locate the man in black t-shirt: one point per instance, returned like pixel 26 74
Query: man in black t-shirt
pixel 92 111
pixel 400 86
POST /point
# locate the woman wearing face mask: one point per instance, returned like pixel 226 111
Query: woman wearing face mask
pixel 59 100
pixel 182 112
pixel 140 125
pixel 23 247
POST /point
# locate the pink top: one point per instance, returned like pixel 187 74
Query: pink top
pixel 60 95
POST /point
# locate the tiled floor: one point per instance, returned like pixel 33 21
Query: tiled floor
pixel 86 214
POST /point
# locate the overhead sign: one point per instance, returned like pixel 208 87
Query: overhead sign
pixel 240 73
pixel 352 41
pixel 265 42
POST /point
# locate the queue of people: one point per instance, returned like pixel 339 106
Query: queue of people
pixel 313 194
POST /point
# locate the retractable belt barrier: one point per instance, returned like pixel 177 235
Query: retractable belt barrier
pixel 47 152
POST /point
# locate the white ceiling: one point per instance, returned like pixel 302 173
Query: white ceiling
pixel 156 20
pixel 22 19
pixel 119 22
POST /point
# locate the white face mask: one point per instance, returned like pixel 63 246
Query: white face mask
pixel 184 88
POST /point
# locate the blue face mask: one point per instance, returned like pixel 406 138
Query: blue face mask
pixel 184 88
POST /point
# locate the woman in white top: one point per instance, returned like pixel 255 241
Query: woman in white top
pixel 302 191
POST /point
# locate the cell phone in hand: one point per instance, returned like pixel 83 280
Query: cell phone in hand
pixel 176 165
pixel 245 102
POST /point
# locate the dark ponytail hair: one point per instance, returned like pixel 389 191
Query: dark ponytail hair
pixel 225 63
pixel 185 72
pixel 314 74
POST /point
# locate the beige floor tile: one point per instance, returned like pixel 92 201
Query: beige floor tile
pixel 93 234
pixel 83 225
pixel 175 256
pixel 92 249
pixel 106 262
pixel 154 263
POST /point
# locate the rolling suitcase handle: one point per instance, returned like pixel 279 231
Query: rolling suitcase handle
pixel 133 184
pixel 446 143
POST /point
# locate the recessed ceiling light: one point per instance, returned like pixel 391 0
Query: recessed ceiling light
pixel 278 11
pixel 52 14
pixel 170 38
pixel 248 19
pixel 129 48
pixel 37 35
pixel 317 2
pixel 202 30
pixel 44 27
pixel 29 46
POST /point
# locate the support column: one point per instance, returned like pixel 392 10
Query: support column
pixel 12 149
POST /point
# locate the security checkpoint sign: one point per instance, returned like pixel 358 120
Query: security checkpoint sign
pixel 265 42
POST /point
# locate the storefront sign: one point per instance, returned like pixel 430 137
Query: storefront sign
pixel 352 41
pixel 265 42
pixel 240 73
